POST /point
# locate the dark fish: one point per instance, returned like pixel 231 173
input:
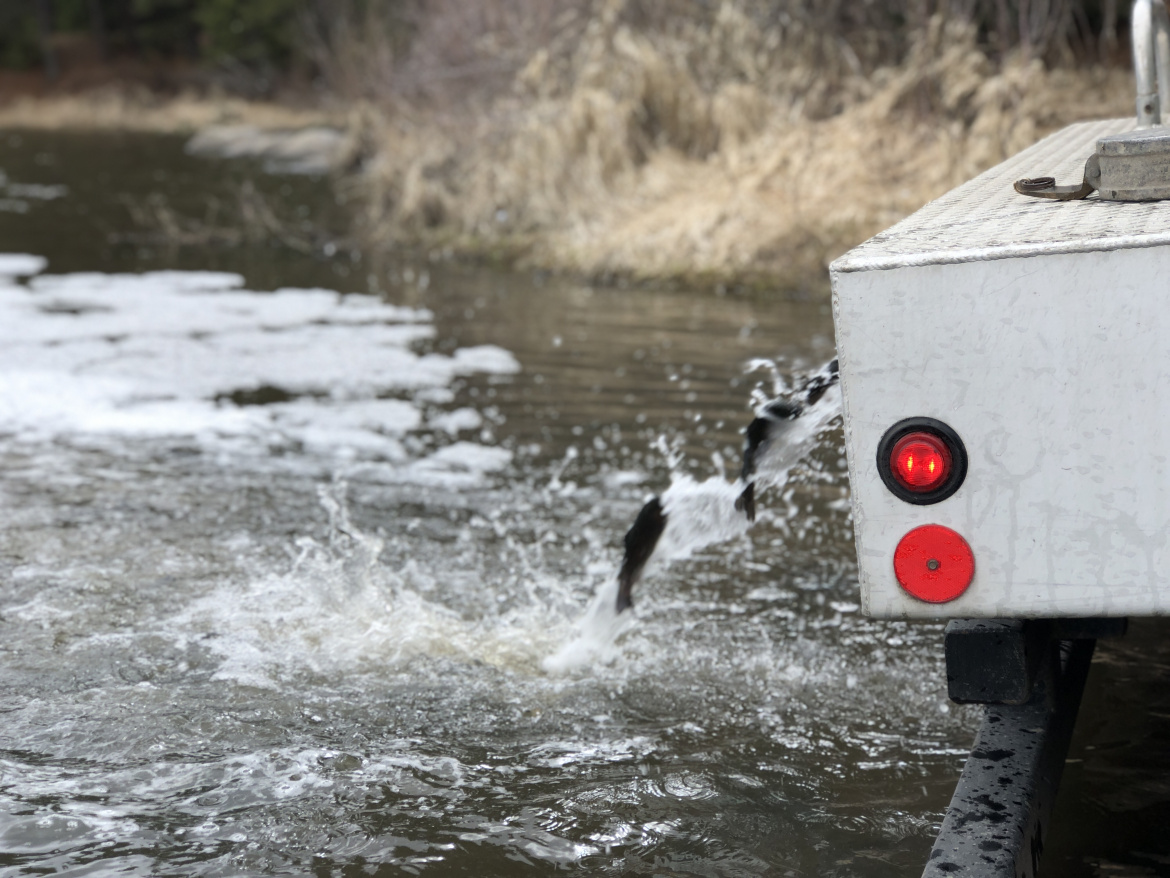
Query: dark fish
pixel 770 423
pixel 640 542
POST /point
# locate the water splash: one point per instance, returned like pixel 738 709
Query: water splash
pixel 698 514
pixel 595 634
pixel 801 438
pixel 183 689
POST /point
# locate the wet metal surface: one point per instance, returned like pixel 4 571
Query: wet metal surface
pixel 1000 818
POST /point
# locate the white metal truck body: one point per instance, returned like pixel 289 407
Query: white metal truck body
pixel 1040 332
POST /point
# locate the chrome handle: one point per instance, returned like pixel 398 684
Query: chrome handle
pixel 1151 61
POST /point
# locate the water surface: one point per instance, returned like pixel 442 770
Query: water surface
pixel 287 537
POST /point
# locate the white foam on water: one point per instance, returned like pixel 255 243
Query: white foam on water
pixel 338 610
pixel 459 463
pixel 456 422
pixel 166 353
pixel 594 634
pixel 21 265
pixel 37 191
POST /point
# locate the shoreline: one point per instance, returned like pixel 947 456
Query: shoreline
pixel 765 209
pixel 133 107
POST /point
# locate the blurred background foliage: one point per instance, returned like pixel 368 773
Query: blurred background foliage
pixel 689 139
pixel 488 37
pixel 261 33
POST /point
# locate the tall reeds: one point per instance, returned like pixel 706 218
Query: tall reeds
pixel 740 139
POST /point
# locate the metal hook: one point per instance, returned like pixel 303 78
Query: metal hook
pixel 1045 187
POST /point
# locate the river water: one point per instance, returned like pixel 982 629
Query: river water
pixel 287 540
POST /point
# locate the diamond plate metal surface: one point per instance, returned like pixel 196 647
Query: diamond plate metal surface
pixel 987 219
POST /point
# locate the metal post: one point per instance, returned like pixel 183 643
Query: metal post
pixel 1150 25
pixel 1161 43
pixel 998 819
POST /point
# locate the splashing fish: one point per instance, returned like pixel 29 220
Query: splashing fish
pixel 772 423
pixel 640 542
pixel 771 444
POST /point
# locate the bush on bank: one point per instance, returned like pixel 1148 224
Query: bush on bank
pixel 743 141
pixel 736 142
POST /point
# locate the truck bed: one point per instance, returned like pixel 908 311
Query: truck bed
pixel 1039 331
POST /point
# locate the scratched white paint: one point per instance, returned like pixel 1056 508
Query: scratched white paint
pixel 1054 368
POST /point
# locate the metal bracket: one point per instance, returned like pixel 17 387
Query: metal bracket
pixel 1134 166
pixel 999 818
pixel 996 661
pixel 1045 187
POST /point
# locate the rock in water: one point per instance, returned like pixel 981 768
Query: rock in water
pixel 315 150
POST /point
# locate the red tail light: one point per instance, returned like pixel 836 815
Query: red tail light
pixel 922 461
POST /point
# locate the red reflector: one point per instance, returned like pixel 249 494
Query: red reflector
pixel 920 462
pixel 933 563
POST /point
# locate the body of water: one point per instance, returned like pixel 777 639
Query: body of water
pixel 288 538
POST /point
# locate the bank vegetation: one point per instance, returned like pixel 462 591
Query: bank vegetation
pixel 714 141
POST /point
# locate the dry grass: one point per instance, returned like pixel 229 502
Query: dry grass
pixel 710 150
pixel 734 141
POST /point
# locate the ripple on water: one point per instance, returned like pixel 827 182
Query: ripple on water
pixel 275 602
